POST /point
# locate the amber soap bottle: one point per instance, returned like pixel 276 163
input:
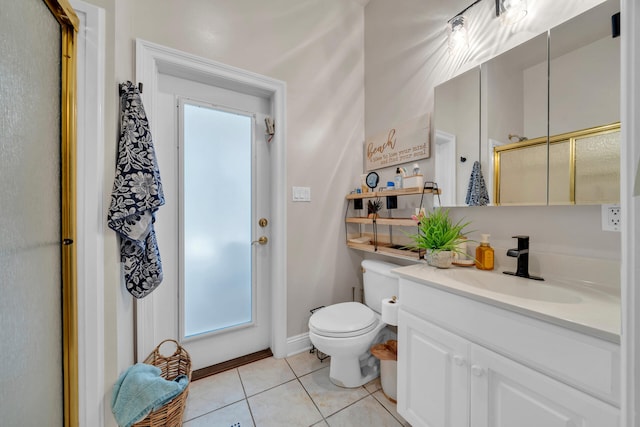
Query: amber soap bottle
pixel 484 254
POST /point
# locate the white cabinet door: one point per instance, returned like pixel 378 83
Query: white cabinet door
pixel 507 394
pixel 433 374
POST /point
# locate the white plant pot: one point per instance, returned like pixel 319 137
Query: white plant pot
pixel 441 259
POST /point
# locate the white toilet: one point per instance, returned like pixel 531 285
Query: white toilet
pixel 346 331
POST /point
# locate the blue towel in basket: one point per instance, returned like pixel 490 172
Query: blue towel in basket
pixel 139 390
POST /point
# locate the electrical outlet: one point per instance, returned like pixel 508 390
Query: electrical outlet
pixel 611 218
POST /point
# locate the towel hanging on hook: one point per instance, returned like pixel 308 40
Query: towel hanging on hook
pixel 123 88
pixel 137 194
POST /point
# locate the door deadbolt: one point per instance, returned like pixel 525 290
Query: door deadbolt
pixel 262 240
pixel 263 222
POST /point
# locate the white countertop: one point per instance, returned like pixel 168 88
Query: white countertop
pixel 581 306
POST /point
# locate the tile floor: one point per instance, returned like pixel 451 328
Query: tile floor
pixel 295 391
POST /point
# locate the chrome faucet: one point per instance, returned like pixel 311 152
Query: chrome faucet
pixel 522 254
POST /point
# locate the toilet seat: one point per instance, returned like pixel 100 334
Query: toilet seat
pixel 343 320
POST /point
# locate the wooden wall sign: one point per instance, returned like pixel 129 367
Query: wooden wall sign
pixel 406 142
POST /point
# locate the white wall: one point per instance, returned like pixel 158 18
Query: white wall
pixel 406 57
pixel 316 47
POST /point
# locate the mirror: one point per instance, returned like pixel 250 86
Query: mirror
pixel 571 151
pixel 515 111
pixel 584 105
pixel 456 134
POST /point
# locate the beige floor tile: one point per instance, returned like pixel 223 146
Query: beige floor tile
pixel 327 396
pixel 391 407
pixel 305 362
pixel 373 385
pixel 366 412
pixel 211 393
pixel 285 405
pixel 264 374
pixel 236 414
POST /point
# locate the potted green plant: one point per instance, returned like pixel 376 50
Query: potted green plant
pixel 439 237
pixel 373 207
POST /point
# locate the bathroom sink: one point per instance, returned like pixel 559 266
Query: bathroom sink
pixel 547 291
pixel 587 307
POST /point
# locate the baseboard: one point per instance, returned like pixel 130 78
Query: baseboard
pixel 298 344
pixel 230 364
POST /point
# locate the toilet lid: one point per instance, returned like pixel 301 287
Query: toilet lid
pixel 344 318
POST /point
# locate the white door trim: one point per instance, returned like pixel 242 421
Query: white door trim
pixel 90 214
pixel 630 159
pixel 446 177
pixel 151 59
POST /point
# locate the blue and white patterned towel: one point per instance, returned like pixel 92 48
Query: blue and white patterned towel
pixel 477 194
pixel 136 196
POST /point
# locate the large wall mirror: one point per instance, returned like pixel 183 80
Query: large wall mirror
pixel 456 134
pixel 549 118
pixel 515 111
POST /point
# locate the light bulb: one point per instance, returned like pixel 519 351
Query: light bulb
pixel 512 11
pixel 458 37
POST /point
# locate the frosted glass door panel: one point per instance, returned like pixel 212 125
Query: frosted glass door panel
pixel 598 168
pixel 217 213
pixel 31 390
pixel 523 173
pixel 560 173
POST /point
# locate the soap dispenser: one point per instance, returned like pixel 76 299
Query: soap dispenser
pixel 484 254
pixel 398 179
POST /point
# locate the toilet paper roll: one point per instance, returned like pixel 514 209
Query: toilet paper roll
pixel 390 311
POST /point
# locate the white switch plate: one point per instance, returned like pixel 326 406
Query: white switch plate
pixel 611 218
pixel 301 194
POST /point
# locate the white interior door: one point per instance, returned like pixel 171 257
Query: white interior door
pixel 217 186
pixel 169 75
pixel 446 176
pixel 223 231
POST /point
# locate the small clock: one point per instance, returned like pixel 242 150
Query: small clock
pixel 372 180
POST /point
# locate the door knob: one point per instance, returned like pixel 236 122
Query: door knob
pixel 458 360
pixel 263 222
pixel 476 370
pixel 262 240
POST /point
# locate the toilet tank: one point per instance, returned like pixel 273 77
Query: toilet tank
pixel 379 282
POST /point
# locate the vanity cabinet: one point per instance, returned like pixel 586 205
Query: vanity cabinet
pixel 461 363
pixel 374 233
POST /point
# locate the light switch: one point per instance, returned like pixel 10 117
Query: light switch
pixel 301 194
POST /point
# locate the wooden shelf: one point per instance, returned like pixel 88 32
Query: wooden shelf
pixel 401 192
pixel 407 222
pixel 379 243
pixel 385 250
pixel 399 253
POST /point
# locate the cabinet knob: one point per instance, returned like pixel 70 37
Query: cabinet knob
pixel 458 360
pixel 478 371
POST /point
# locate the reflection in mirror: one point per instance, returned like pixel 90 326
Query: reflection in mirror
pixel 542 96
pixel 514 113
pixel 456 135
pixel 583 166
pixel 584 93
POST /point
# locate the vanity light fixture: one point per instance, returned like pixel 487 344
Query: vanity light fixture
pixel 511 11
pixel 458 37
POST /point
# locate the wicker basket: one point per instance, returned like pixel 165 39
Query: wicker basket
pixel 170 415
